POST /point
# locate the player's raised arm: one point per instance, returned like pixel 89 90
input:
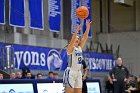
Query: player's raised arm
pixel 85 36
pixel 73 39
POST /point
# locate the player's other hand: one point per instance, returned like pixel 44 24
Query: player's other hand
pixel 78 28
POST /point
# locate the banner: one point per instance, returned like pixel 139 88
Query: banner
pixel 16 13
pixel 54 15
pixel 36 14
pixel 2 11
pixel 87 3
pixel 43 58
pixel 39 58
pixel 74 19
pixel 99 62
pixel 1 54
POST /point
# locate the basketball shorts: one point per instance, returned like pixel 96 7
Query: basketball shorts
pixel 72 78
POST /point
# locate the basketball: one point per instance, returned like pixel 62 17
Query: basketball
pixel 82 12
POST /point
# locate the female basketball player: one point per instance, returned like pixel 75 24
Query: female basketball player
pixel 73 74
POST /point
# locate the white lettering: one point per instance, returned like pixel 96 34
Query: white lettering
pixel 18 56
pixel 27 58
pixel 103 63
pixel 110 64
pixel 107 64
pixel 42 61
pixel 92 62
pixel 99 64
pixel 35 58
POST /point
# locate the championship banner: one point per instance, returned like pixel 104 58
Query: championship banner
pixel 2 11
pixel 87 3
pixel 74 19
pixel 16 13
pixel 36 14
pixel 99 62
pixel 54 15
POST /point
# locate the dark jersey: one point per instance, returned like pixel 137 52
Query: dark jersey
pixel 84 64
pixel 119 72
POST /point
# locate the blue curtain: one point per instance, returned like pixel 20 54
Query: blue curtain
pixel 87 3
pixel 17 13
pixel 54 15
pixel 74 19
pixel 36 14
pixel 2 11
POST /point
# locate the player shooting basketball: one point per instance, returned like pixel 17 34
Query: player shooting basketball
pixel 73 73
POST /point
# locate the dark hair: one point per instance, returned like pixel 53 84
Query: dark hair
pixel 55 73
pixel 50 72
pixel 39 74
pixel 25 70
pixel 130 75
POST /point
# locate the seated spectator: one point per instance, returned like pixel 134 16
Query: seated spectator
pixel 55 75
pixel 137 87
pixel 12 76
pixel 25 70
pixel 28 75
pixel 137 90
pixel 39 76
pixel 130 84
pixel 50 75
pixel 1 76
pixel 18 75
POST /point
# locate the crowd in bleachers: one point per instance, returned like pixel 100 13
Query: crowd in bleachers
pixel 29 75
pixel 132 85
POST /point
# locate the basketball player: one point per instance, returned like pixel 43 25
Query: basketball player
pixel 73 75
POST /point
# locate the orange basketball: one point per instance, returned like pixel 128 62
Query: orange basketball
pixel 82 12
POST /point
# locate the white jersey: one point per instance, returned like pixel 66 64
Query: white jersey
pixel 75 59
pixel 73 75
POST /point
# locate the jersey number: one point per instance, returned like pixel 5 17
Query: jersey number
pixel 79 60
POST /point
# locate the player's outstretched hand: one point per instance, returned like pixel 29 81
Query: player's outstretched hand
pixel 88 22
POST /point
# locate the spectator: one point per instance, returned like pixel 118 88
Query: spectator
pixel 137 90
pixel 18 75
pixel 118 76
pixel 1 76
pixel 25 70
pixel 55 75
pixel 28 75
pixel 39 76
pixel 12 76
pixel 51 75
pixel 130 84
